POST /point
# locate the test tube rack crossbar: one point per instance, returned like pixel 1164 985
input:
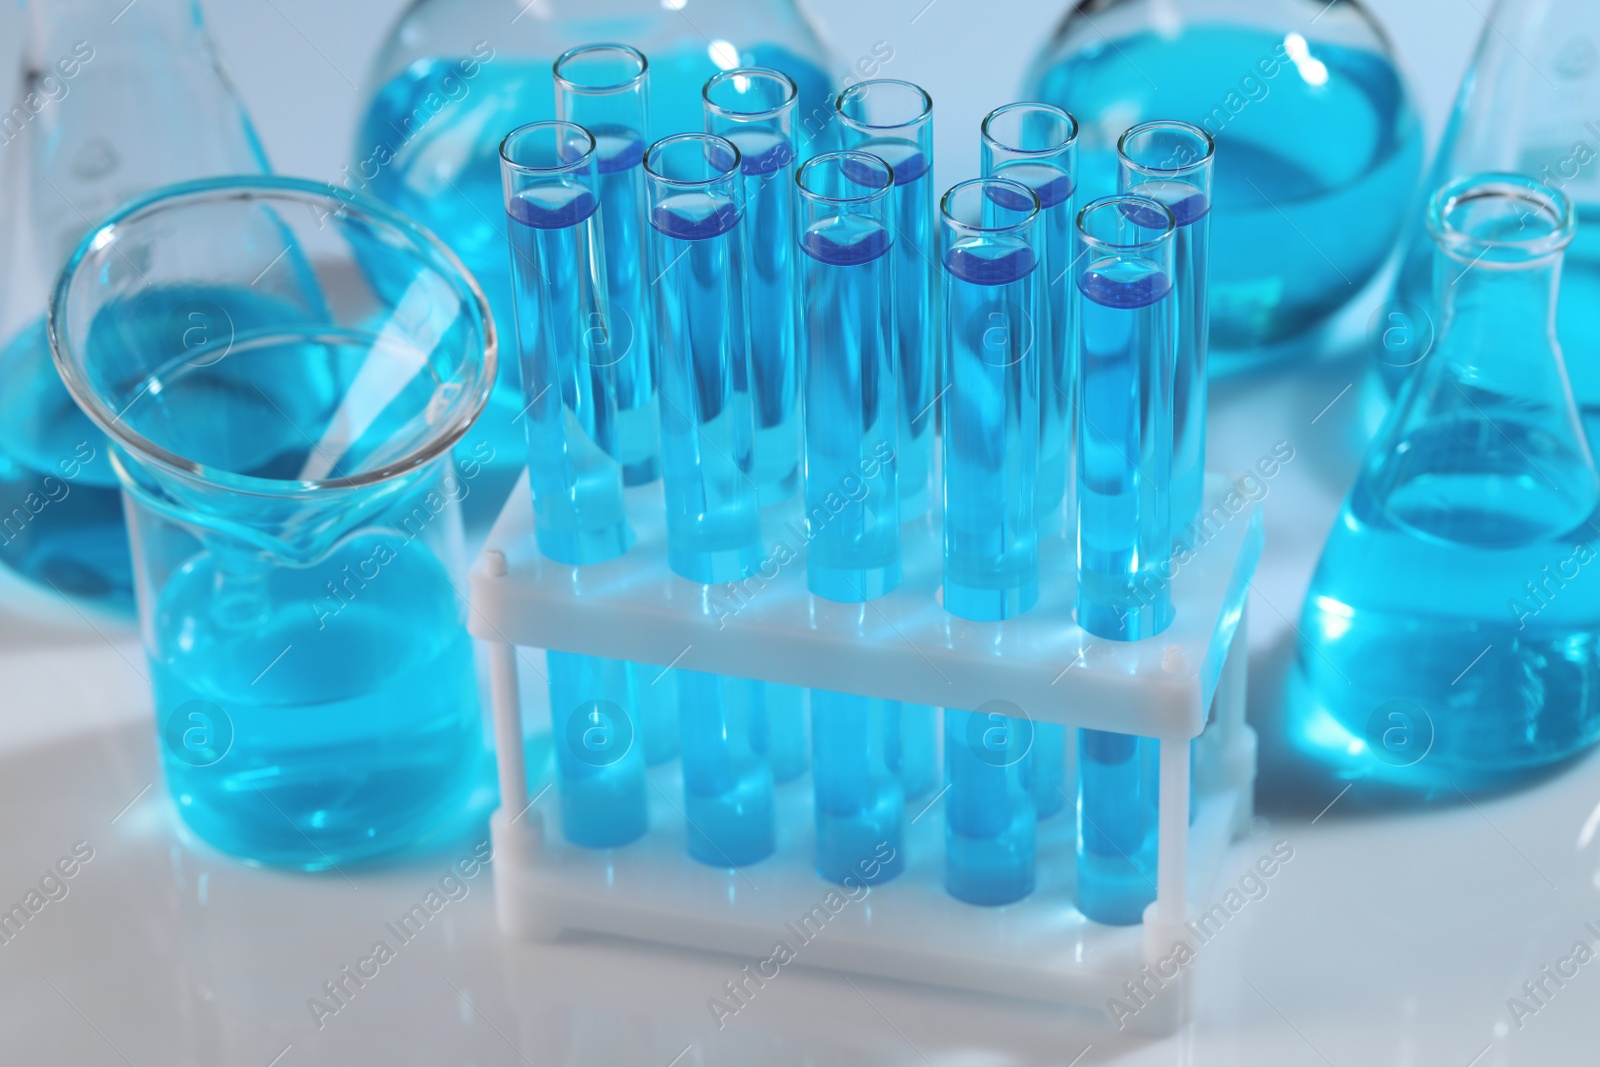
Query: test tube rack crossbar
pixel 902 646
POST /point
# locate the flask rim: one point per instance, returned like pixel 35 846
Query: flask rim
pixel 432 251
pixel 633 81
pixel 1536 200
pixel 868 193
pixel 992 138
pixel 721 77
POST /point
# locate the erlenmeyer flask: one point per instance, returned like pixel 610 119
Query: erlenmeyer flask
pixel 1453 624
pixel 1314 128
pixel 1530 103
pixel 456 76
pixel 114 100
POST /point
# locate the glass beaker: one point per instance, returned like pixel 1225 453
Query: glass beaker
pixel 292 505
pixel 1530 103
pixel 1313 125
pixel 455 76
pixel 1452 624
pixel 112 101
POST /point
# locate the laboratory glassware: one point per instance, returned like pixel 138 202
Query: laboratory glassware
pixel 605 89
pixel 991 824
pixel 1450 628
pixel 1314 127
pixel 293 506
pixel 1530 104
pixel 893 120
pixel 1171 162
pixel 989 256
pixel 111 102
pixel 455 75
pixel 575 384
pixel 1123 279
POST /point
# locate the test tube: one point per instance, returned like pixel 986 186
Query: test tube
pixel 605 89
pixel 990 822
pixel 1037 145
pixel 893 120
pixel 1123 280
pixel 860 804
pixel 851 414
pixel 913 747
pixel 697 265
pixel 600 763
pixel 728 796
pixel 655 700
pixel 783 737
pixel 989 250
pixel 754 108
pixel 1171 162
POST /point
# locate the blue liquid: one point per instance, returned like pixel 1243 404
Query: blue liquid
pixel 656 697
pixel 1116 831
pixel 860 803
pixel 911 218
pixel 713 516
pixel 767 159
pixel 572 419
pixel 1191 252
pixel 1053 332
pixel 990 823
pixel 443 133
pixel 352 704
pixel 61 519
pixel 991 429
pixel 1322 154
pixel 913 748
pixel 781 737
pixel 1047 768
pixel 1125 449
pixel 599 750
pixel 727 786
pixel 1460 602
pixel 851 409
pixel 620 156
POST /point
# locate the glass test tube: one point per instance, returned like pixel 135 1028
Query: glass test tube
pixel 697 264
pixel 913 747
pixel 605 89
pixel 893 120
pixel 1171 162
pixel 989 249
pixel 1123 278
pixel 754 108
pixel 727 786
pixel 852 508
pixel 551 196
pixel 991 827
pixel 1037 145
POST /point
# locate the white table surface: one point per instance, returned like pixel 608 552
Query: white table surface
pixel 1390 938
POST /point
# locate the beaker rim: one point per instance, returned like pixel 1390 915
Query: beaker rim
pixel 792 93
pixel 860 89
pixel 1199 133
pixel 1479 249
pixel 1061 113
pixel 467 405
pixel 591 49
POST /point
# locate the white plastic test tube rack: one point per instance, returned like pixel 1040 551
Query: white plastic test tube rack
pixel 903 646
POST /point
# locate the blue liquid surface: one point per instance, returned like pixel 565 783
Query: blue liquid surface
pixel 991 429
pixel 713 511
pixel 445 165
pixel 351 704
pixel 1318 144
pixel 1124 449
pixel 852 413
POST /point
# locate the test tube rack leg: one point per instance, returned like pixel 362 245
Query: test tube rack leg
pixel 902 646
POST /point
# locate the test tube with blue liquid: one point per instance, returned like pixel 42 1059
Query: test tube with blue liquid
pixel 1037 145
pixel 1123 275
pixel 728 797
pixel 851 427
pixel 991 827
pixel 1171 162
pixel 550 181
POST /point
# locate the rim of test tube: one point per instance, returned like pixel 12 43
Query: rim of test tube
pixel 860 91
pixel 765 74
pixel 1531 201
pixel 652 159
pixel 338 203
pixel 841 160
pixel 1011 188
pixel 1187 129
pixel 1121 203
pixel 991 135
pixel 589 51
pixel 581 137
